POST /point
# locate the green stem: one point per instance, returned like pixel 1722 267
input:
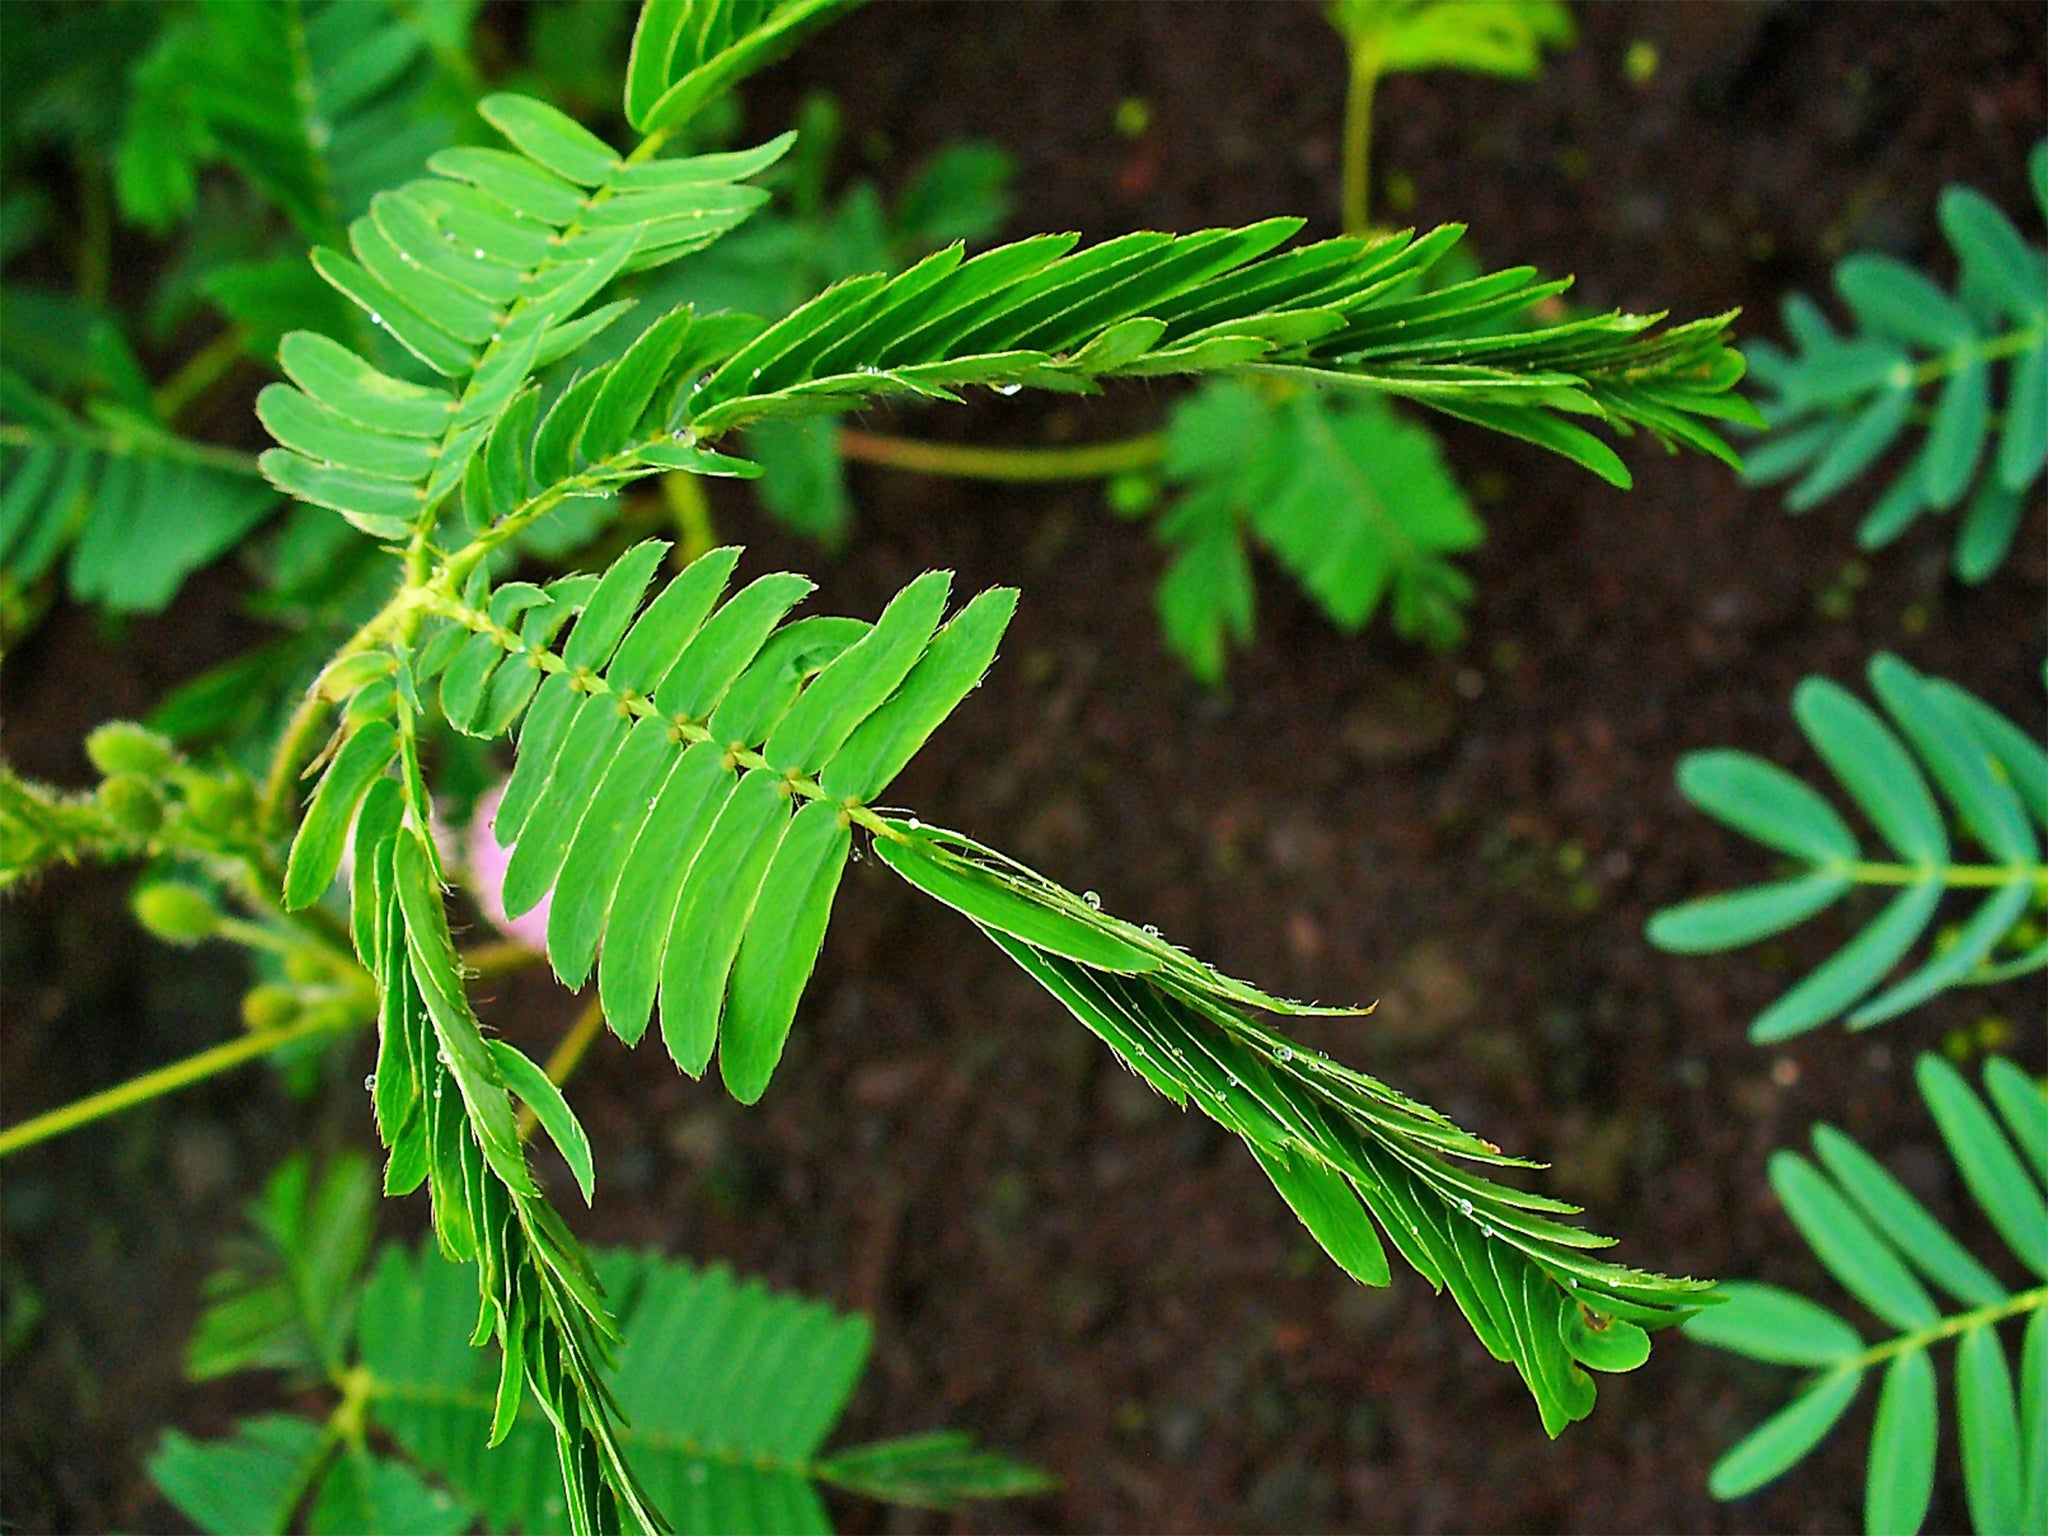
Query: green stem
pixel 165 1080
pixel 1094 461
pixel 199 373
pixel 1952 875
pixel 2011 344
pixel 1947 1328
pixel 1365 79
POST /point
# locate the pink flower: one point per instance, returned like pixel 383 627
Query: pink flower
pixel 488 860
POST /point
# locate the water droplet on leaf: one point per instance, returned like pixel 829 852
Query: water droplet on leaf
pixel 1094 901
pixel 1285 1053
pixel 370 1083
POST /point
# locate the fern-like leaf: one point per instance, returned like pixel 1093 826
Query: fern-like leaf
pixel 1887 1249
pixel 729 1389
pixel 482 272
pixel 1353 501
pixel 661 768
pixel 1040 313
pixel 137 508
pixel 687 52
pixel 318 103
pixel 1917 354
pixel 284 1299
pixel 1995 780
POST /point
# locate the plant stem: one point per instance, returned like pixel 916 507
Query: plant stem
pixel 165 1080
pixel 1365 79
pixel 200 372
pixel 1952 875
pixel 1093 461
pixel 1947 1328
pixel 2010 344
pixel 566 1057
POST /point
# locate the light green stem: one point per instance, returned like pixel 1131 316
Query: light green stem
pixel 165 1080
pixel 965 461
pixel 1947 1328
pixel 1365 79
pixel 2011 344
pixel 200 372
pixel 1952 875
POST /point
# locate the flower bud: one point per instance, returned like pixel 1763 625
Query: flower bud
pixel 175 912
pixel 122 746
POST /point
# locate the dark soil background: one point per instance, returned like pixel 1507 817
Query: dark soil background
pixel 1054 1258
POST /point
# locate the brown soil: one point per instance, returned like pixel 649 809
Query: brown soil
pixel 1054 1258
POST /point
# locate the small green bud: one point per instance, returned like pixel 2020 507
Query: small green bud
pixel 122 746
pixel 175 912
pixel 222 804
pixel 270 1006
pixel 132 802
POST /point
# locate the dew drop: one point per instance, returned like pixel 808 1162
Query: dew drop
pixel 441 1057
pixel 1465 1206
pixel 370 1083
pixel 1485 1230
pixel 375 318
pixel 1285 1053
pixel 1154 932
pixel 478 253
pixel 1572 1281
pixel 1234 1082
pixel 437 1090
pixel 912 822
pixel 696 1473
pixel 1009 389
pixel 1094 901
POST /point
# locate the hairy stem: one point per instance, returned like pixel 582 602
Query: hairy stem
pixel 166 1080
pixel 963 461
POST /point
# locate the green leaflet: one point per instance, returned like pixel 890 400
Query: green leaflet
pixel 1004 905
pixel 781 947
pixel 951 668
pixel 651 881
pixel 1781 1442
pixel 856 682
pixel 684 55
pixel 1867 1230
pixel 316 850
pixel 1939 741
pixel 1900 1484
pixel 479 272
pixel 1971 367
pixel 712 915
pixel 533 1088
pixel 1994 1470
